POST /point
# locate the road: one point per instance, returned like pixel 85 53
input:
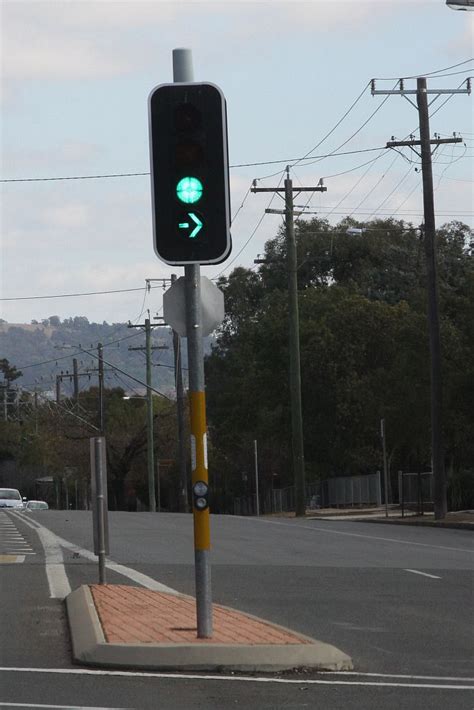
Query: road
pixel 397 599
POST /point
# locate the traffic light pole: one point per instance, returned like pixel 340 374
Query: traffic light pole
pixel 183 72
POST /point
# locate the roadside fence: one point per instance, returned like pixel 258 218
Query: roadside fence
pixel 332 492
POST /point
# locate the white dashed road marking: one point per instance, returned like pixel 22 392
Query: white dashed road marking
pixel 424 574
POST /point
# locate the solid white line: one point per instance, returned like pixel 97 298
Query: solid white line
pixel 367 537
pixel 61 707
pixel 424 574
pixel 134 575
pixel 59 586
pixel 244 679
pixel 398 675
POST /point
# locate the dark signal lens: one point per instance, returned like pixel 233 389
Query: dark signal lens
pixel 188 153
pixel 187 117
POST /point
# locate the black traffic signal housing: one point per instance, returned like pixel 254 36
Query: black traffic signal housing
pixel 189 173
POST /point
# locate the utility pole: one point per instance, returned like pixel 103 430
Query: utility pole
pixel 178 376
pixel 294 337
pixel 149 411
pixel 36 411
pixel 425 143
pixel 183 502
pixel 100 354
pixel 58 388
pixel 385 472
pixel 75 380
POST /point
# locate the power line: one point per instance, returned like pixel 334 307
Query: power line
pixel 81 350
pixel 252 234
pixel 429 73
pixel 336 125
pixel 334 152
pixel 73 295
pixel 239 165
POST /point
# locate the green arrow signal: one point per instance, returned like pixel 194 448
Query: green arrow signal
pixel 197 222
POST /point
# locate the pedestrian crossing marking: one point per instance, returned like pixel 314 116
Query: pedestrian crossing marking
pixel 11 559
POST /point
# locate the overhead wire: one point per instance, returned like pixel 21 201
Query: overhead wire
pixel 375 186
pixel 305 157
pixel 239 165
pixel 228 265
pixel 429 73
pixel 73 295
pixel 416 186
pixel 401 181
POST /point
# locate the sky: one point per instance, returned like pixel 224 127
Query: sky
pixel 75 80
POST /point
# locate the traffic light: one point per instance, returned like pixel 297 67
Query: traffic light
pixel 189 173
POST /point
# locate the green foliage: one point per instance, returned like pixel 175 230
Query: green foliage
pixel 364 353
pixel 9 372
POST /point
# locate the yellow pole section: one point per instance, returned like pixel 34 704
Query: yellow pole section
pixel 197 401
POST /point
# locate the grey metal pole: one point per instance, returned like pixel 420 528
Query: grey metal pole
pixel 183 72
pixel 149 430
pixel 66 493
pixel 385 473
pixel 178 375
pixel 257 500
pixel 294 343
pixel 99 478
pixel 158 487
pixel 439 475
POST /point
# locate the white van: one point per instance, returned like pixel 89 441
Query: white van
pixel 10 498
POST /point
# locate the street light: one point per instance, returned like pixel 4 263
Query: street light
pixel 467 5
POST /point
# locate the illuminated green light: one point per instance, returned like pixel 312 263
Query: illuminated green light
pixel 189 190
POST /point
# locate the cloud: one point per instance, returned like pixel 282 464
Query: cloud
pixel 463 42
pixel 78 40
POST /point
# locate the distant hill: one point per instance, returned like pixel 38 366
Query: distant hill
pixel 44 350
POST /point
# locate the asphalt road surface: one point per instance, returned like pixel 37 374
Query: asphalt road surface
pixel 398 600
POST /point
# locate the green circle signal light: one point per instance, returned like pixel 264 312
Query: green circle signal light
pixel 189 190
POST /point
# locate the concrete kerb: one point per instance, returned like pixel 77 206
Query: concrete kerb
pixel 419 523
pixel 90 647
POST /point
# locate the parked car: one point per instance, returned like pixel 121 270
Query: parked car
pixel 36 505
pixel 11 498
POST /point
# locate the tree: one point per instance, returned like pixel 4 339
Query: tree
pixel 364 353
pixel 10 372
